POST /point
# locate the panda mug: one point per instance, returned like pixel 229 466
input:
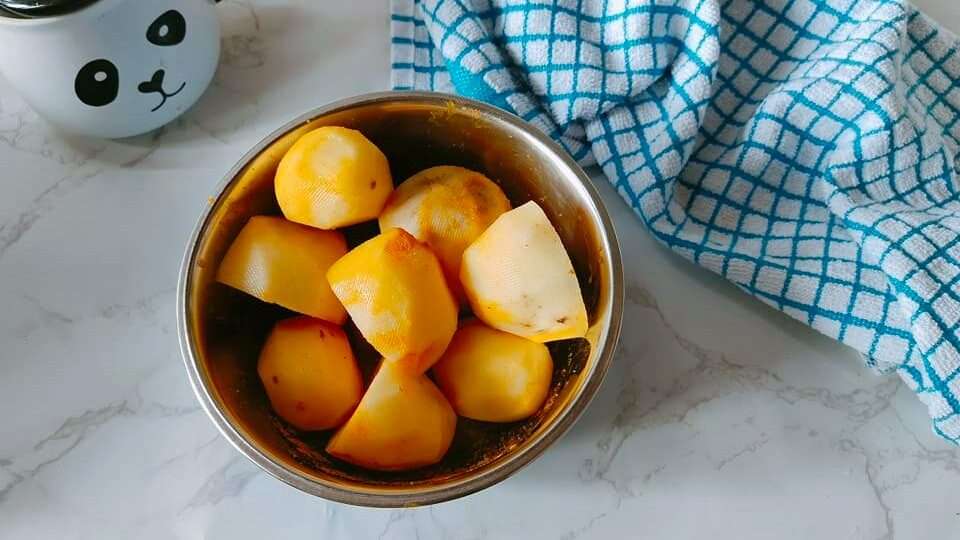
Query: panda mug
pixel 109 68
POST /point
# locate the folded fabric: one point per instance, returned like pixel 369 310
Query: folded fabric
pixel 804 150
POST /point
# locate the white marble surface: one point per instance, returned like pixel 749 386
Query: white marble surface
pixel 721 418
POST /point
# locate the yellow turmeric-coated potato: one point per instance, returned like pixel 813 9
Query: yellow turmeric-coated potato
pixel 332 177
pixel 310 374
pixel 285 263
pixel 446 208
pixel 402 422
pixel 394 289
pixel 494 376
pixel 518 278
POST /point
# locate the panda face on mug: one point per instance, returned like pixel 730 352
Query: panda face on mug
pixel 114 68
pixel 98 82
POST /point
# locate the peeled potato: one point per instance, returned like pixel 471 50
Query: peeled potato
pixel 394 289
pixel 402 422
pixel 310 374
pixel 518 278
pixel 494 376
pixel 285 263
pixel 446 208
pixel 332 177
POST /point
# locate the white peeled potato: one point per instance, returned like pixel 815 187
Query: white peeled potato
pixel 518 278
pixel 332 177
pixel 402 422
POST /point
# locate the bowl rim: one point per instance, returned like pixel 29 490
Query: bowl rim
pixel 419 495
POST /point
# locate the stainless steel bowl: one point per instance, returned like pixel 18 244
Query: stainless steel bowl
pixel 221 330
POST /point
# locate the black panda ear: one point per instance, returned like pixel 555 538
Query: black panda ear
pixel 169 29
pixel 97 83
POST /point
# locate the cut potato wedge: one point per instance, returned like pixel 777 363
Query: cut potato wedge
pixel 393 287
pixel 446 208
pixel 310 374
pixel 494 376
pixel 333 177
pixel 285 263
pixel 403 422
pixel 518 278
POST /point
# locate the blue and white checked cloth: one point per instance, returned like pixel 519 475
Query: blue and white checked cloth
pixel 805 150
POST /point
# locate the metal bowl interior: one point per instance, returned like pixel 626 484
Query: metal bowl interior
pixel 222 330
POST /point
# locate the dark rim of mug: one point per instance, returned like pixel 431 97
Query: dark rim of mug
pixel 34 9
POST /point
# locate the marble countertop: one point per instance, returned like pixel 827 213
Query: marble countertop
pixel 721 418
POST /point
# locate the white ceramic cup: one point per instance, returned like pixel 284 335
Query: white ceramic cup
pixel 115 68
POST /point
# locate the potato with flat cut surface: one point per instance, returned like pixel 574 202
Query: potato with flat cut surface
pixel 394 290
pixel 494 376
pixel 309 373
pixel 518 278
pixel 332 177
pixel 446 208
pixel 285 263
pixel 403 422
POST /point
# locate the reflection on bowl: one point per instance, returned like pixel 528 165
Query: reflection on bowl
pixel 221 330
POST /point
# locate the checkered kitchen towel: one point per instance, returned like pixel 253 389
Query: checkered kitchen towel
pixel 805 150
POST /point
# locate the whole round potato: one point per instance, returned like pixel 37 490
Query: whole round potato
pixel 309 373
pixel 446 208
pixel 494 376
pixel 332 177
